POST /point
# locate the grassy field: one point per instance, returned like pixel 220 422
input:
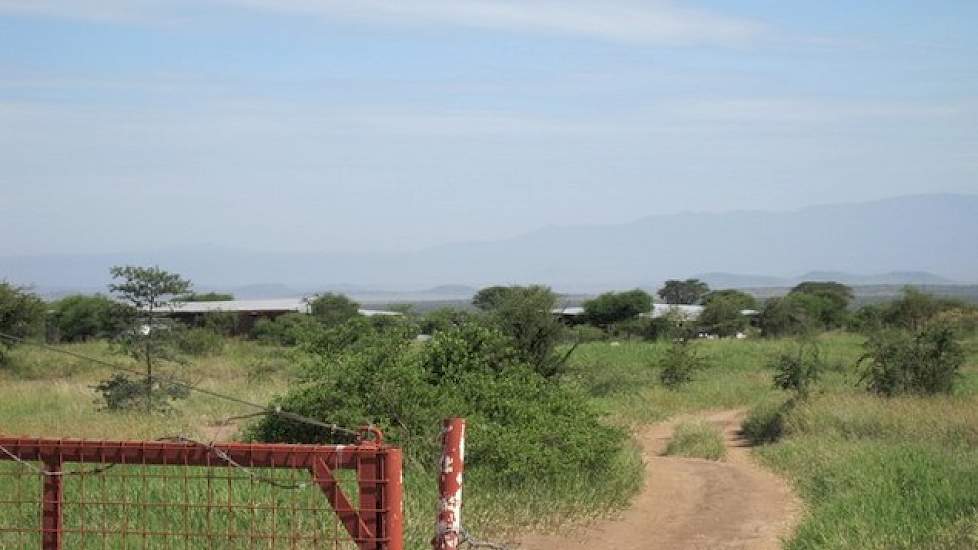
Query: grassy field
pixel 875 473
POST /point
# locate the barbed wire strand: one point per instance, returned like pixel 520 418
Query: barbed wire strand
pixel 48 473
pixel 227 458
pixel 277 411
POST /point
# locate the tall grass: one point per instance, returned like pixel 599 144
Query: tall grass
pixel 697 439
pixel 875 473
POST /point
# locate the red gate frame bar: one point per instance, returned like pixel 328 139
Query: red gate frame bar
pixel 378 524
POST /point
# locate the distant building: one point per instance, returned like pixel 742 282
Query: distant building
pixel 685 312
pixel 249 311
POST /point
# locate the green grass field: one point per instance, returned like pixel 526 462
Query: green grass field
pixel 874 473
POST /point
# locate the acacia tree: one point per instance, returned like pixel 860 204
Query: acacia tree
pixel 614 307
pixel 333 309
pixel 491 297
pixel 690 291
pixel 833 300
pixel 525 315
pixel 148 291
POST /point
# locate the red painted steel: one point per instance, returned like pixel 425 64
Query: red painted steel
pixel 51 498
pixel 394 496
pixel 375 522
pixel 448 530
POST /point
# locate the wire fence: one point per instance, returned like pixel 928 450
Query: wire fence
pixel 186 494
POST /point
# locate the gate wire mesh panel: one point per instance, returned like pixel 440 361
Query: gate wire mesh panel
pixel 100 494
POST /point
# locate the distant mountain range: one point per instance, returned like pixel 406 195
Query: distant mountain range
pixel 922 239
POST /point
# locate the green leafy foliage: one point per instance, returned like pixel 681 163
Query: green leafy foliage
pixel 199 341
pixel 225 323
pixel 21 315
pixel 679 364
pixel 121 392
pixel 333 309
pixel 833 300
pixel 765 422
pixel 525 315
pixel 521 425
pixel 79 317
pixel 207 297
pixel 790 315
pixel 742 299
pixel 798 369
pixel 444 318
pixel 722 315
pixel 614 307
pixel 285 330
pixel 491 297
pixel 900 362
pixel 690 291
pixel 149 339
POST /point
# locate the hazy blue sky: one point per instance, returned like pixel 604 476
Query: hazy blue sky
pixel 379 124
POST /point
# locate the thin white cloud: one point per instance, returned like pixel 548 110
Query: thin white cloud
pixel 631 21
pixel 802 111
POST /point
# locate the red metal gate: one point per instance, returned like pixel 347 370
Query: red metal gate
pixel 60 493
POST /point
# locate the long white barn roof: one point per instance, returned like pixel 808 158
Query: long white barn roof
pixel 298 305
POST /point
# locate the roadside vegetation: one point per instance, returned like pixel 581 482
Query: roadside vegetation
pixel 697 439
pixel 872 413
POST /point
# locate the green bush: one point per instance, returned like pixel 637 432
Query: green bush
pixel 123 393
pixel 798 369
pixel 615 307
pixel 722 316
pixel 679 364
pixel 765 422
pixel 521 425
pixel 524 314
pixel 21 315
pixel 333 309
pixel 225 323
pixel 285 330
pixel 899 362
pixel 199 341
pixel 79 317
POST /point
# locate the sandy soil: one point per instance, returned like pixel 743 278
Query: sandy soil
pixel 693 503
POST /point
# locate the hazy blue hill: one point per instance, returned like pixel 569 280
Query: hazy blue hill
pixel 914 239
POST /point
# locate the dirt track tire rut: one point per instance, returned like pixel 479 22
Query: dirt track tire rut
pixel 690 503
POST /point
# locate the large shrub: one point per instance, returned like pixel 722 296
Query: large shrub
pixel 679 364
pixel 798 369
pixel 525 315
pixel 21 315
pixel 615 307
pixel 199 341
pixel 791 315
pixel 830 308
pixel 722 312
pixel 444 318
pixel 521 425
pixel 285 330
pixel 914 309
pixel 80 317
pixel 333 309
pixel 923 362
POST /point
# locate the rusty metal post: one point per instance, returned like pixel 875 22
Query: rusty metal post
pixel 394 499
pixel 52 493
pixel 448 530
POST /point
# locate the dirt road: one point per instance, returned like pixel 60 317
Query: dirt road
pixel 692 503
